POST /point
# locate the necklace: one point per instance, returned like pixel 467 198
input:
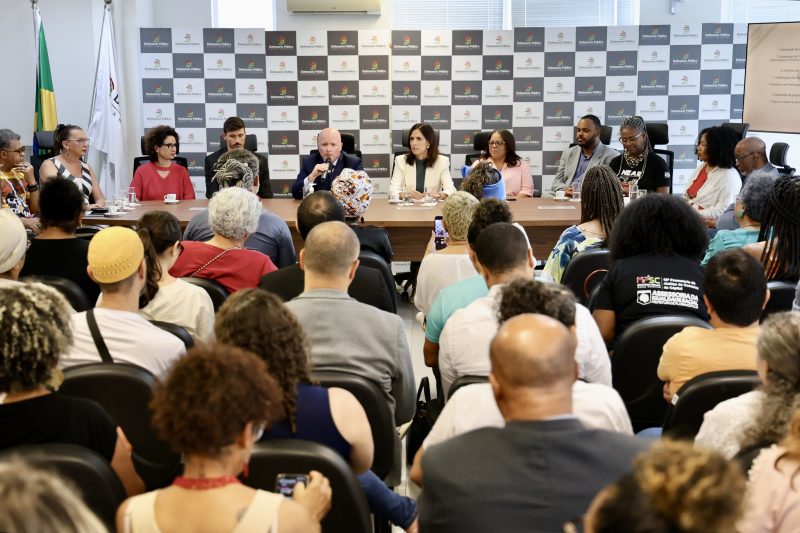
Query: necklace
pixel 204 483
pixel 634 161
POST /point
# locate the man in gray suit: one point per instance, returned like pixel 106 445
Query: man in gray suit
pixel 575 160
pixel 544 467
pixel 347 335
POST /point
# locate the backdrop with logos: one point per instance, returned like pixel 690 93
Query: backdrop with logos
pixel 537 82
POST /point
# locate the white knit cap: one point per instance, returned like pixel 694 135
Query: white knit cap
pixel 13 240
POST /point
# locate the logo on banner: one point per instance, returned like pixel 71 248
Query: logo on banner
pixel 156 91
pixel 715 82
pixel 436 68
pixel 621 63
pixel 283 142
pixel 405 92
pixel 590 38
pixel 683 107
pixel 374 67
pixel 467 42
pixel 685 57
pixel 343 92
pixel 653 35
pixel 188 65
pixel 155 40
pixel 438 117
pixel 217 40
pixel 375 117
pixel 190 116
pixel 281 43
pixel 282 93
pixel 406 42
pixel 717 33
pixel 313 118
pixel 621 38
pixel 466 93
pixel 590 89
pixel 342 42
pixel 616 112
pixel 529 139
pixel 528 39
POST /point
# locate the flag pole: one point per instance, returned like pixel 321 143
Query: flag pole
pixel 97 63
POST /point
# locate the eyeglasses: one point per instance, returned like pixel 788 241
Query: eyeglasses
pixel 20 151
pixel 737 159
pixel 496 143
pixel 626 140
pixel 170 145
pixel 84 142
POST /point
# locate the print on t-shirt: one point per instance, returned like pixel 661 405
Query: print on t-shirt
pixel 667 291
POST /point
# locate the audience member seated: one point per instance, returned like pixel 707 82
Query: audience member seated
pixel 760 417
pixel 735 292
pixel 503 256
pixel 714 184
pixel 503 156
pixel 472 407
pixel 233 137
pixel 750 156
pixel 421 169
pixel 56 251
pixel 71 145
pixel 212 408
pixel 233 216
pixel 576 160
pixel 35 321
pixel 320 169
pixel 162 176
pixel 166 298
pixel 238 168
pixel 484 181
pixel 368 285
pixel 655 238
pixel 38 500
pixel 347 335
pixel 779 238
pixel 639 164
pixel 460 294
pixel 440 268
pixel 13 245
pixel 353 189
pixel 257 321
pixel 773 501
pixel 117 265
pixel 601 203
pixel 18 188
pixel 673 488
pixel 750 206
pixel 544 466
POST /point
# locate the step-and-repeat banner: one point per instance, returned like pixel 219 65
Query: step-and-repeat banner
pixel 537 82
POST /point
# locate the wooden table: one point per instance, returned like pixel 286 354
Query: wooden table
pixel 409 227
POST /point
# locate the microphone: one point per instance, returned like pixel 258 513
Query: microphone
pixel 330 168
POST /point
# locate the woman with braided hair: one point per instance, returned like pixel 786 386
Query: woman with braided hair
pixel 600 205
pixel 638 163
pixel 778 248
pixel 162 175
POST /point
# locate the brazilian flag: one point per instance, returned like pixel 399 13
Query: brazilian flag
pixel 45 117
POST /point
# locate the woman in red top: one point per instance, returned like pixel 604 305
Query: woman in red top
pixel 161 176
pixel 232 215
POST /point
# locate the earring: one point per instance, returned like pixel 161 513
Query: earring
pixel 429 146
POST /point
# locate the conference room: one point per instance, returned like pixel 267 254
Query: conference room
pixel 233 155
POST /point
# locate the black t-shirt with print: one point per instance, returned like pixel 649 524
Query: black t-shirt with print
pixel 656 172
pixel 645 286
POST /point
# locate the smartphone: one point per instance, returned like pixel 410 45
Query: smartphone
pixel 439 233
pixel 284 483
pixel 99 210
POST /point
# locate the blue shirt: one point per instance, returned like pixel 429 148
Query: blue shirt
pixel 726 238
pixel 583 164
pixel 451 299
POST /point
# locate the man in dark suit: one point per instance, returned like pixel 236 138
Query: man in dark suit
pixel 320 169
pixel 233 136
pixel 544 467
pixel 368 286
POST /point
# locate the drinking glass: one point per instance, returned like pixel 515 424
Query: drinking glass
pixel 576 193
pixel 132 195
pixel 404 197
pixel 430 195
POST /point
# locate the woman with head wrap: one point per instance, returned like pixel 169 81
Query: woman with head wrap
pixel 353 189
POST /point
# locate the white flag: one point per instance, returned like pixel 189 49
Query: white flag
pixel 105 126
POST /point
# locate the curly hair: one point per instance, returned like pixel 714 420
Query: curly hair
pixel 483 174
pixel 720 143
pixel 658 224
pixel 60 204
pixel 780 229
pixel 674 488
pixel 236 168
pixel 158 230
pixel 155 137
pixel 532 296
pixel 36 323
pixel 258 321
pixel 210 395
pixel 489 211
pixel 429 133
pixel 601 198
pixel 512 157
pixel 457 213
pixel 234 213
pixel 779 346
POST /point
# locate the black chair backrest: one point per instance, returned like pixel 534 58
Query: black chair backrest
pixel 72 291
pixel 777 156
pixel 700 394
pixel 380 417
pixel 124 390
pixel 214 289
pixel 348 142
pixel 250 142
pixel 373 260
pixel 634 363
pixel 481 141
pixel 178 331
pixel 463 381
pixel 90 474
pixel 781 297
pixel 46 150
pixel 45 141
pixel 658 133
pixel 581 266
pixel 349 509
pixel 739 128
pixel 669 157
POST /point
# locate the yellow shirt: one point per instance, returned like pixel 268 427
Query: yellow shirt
pixel 696 351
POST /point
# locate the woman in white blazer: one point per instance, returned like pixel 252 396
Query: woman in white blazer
pixel 716 183
pixel 422 168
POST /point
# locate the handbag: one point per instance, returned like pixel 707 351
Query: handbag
pixel 425 416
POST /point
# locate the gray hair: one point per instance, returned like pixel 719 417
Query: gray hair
pixel 457 213
pixel 236 168
pixel 6 136
pixel 330 249
pixel 636 123
pixel 234 213
pixel 36 500
pixel 755 194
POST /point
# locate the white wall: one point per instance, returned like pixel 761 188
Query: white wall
pixel 291 21
pixel 658 11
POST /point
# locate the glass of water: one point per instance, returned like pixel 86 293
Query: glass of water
pixel 576 193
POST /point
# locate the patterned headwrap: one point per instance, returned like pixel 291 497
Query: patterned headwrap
pixel 354 189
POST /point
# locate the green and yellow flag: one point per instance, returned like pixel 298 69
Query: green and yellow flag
pixel 45 117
